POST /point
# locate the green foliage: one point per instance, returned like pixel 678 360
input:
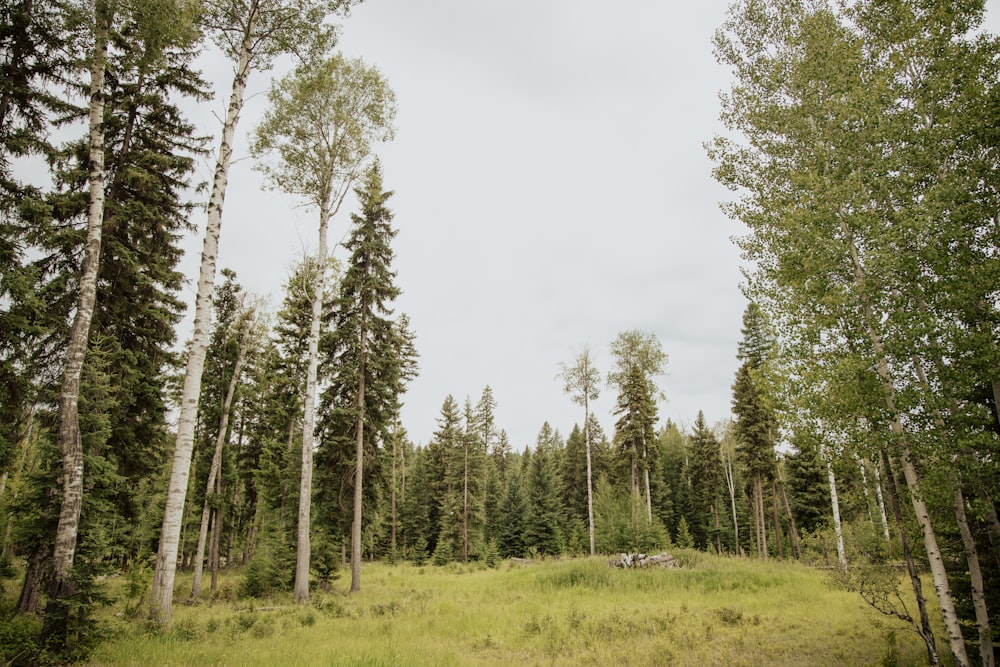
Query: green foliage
pixel 621 524
pixel 444 552
pixel 683 538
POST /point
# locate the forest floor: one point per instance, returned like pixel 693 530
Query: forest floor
pixel 712 611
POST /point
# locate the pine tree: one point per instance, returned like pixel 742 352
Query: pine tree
pixel 706 478
pixel 543 524
pixel 638 359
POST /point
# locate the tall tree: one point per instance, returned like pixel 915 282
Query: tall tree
pixel 366 334
pixel 252 34
pixel 639 358
pixel 323 119
pixel 706 464
pixel 61 587
pixel 755 425
pixel 582 380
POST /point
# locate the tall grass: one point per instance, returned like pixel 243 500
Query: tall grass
pixel 714 611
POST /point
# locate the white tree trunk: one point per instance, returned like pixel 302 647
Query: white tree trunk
pixel 69 429
pixel 590 477
pixel 303 547
pixel 835 503
pixel 166 558
pixel 976 575
pixel 220 441
pixel 731 484
pixel 881 504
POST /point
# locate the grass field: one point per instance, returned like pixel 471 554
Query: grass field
pixel 714 611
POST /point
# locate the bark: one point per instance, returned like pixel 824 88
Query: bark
pixel 731 484
pixel 392 492
pixel 217 526
pixel 779 540
pixel 220 441
pixel 173 513
pixel 309 418
pixel 359 453
pixel 590 483
pixel 976 576
pixel 796 543
pixel 30 600
pixel 465 501
pixel 835 503
pixel 926 632
pixel 61 585
pixel 881 505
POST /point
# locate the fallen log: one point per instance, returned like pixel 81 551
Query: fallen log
pixel 626 561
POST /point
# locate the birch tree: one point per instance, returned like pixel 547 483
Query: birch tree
pixel 252 33
pixel 324 118
pixel 582 381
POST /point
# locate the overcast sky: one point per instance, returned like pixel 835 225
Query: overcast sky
pixel 551 191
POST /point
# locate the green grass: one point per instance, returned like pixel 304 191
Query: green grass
pixel 715 611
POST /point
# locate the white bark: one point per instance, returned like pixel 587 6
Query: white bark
pixel 303 547
pixel 166 558
pixel 881 504
pixel 835 502
pixel 731 484
pixel 69 430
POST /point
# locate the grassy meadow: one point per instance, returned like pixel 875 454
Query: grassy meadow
pixel 713 611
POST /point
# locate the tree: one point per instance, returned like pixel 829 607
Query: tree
pixel 542 531
pixel 323 119
pixel 638 359
pixel 706 463
pixel 582 380
pixel 756 425
pixel 368 344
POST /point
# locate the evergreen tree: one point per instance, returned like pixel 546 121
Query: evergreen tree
pixel 513 515
pixel 544 517
pixel 706 489
pixel 638 359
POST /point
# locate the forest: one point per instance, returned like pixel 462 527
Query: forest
pixel 861 146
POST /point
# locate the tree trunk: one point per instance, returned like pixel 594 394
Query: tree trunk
pixel 835 504
pixel 220 441
pixel 62 586
pixel 303 549
pixel 758 489
pixel 926 632
pixel 976 576
pixel 359 453
pixel 465 500
pixel 796 544
pixel 166 558
pixel 590 483
pixel 217 526
pixel 392 494
pixel 779 539
pixel 881 505
pixel 731 484
pixel 30 599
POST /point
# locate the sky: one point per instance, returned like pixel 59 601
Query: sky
pixel 551 190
